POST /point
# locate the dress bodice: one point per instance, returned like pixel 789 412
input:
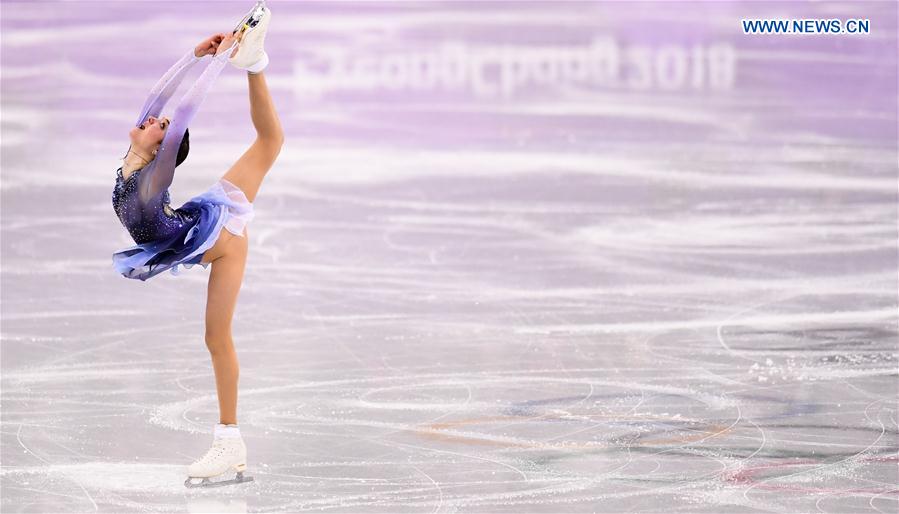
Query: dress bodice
pixel 150 221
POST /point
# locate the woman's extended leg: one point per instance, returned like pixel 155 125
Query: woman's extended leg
pixel 228 256
pixel 224 285
pixel 247 173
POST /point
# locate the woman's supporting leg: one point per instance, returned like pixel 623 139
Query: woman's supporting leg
pixel 247 173
pixel 224 285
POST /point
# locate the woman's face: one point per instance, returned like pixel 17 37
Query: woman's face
pixel 148 136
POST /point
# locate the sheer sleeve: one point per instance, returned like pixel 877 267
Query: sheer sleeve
pixel 157 176
pixel 166 86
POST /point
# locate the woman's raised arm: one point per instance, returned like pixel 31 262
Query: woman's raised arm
pixel 158 175
pixel 166 87
pixel 168 84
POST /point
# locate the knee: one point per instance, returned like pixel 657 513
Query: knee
pixel 277 139
pixel 219 341
pixel 272 144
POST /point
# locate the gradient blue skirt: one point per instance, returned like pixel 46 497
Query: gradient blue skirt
pixel 223 205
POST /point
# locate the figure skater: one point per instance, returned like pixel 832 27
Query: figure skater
pixel 209 228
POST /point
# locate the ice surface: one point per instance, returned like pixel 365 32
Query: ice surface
pixel 670 292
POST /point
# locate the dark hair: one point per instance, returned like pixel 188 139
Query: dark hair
pixel 184 149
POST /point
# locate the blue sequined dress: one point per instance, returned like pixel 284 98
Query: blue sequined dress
pixel 165 237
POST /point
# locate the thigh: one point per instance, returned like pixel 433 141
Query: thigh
pixel 220 246
pixel 247 173
pixel 224 285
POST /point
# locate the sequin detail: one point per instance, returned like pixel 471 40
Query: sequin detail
pixel 151 222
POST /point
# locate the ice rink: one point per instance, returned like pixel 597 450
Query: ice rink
pixel 603 257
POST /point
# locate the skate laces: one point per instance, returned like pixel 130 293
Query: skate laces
pixel 217 450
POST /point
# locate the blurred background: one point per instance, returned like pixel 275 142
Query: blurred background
pixel 514 256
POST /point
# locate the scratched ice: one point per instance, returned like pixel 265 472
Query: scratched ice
pixel 663 281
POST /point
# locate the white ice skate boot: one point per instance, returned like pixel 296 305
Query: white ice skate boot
pixel 228 453
pixel 251 30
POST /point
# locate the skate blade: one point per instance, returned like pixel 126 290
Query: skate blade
pixel 248 30
pixel 251 19
pixel 206 482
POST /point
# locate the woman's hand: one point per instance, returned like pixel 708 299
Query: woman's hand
pixel 210 45
pixel 226 42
